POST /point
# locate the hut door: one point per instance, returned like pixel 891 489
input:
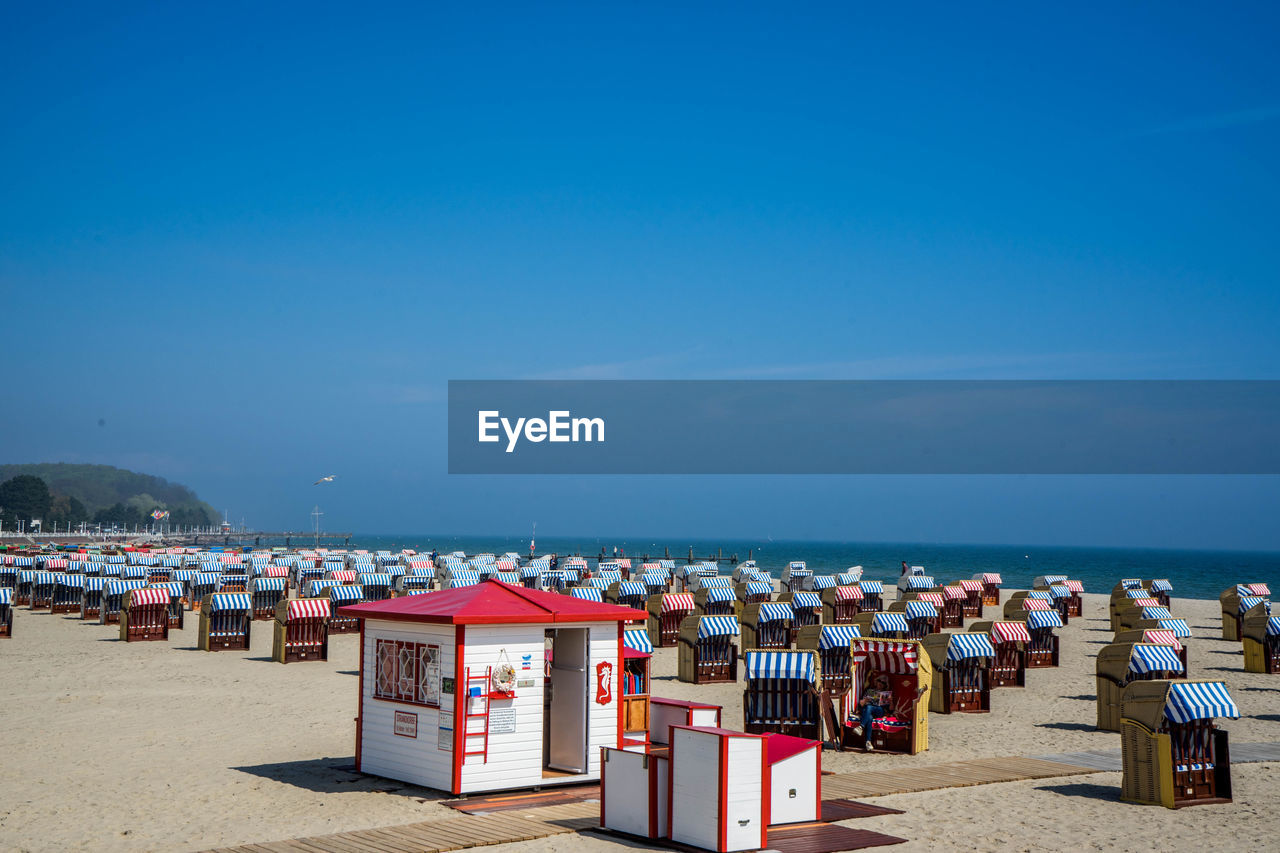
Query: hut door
pixel 567 735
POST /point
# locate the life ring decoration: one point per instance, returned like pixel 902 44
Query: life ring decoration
pixel 503 679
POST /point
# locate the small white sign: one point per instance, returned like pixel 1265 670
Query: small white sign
pixel 444 739
pixel 406 724
pixel 502 721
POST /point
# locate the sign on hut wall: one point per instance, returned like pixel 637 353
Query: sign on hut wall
pixel 502 721
pixel 444 738
pixel 406 724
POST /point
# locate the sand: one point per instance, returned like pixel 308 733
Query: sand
pixel 158 746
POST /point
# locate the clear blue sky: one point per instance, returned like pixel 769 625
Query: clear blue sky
pixel 258 240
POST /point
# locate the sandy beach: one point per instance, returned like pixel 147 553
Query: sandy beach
pixel 158 746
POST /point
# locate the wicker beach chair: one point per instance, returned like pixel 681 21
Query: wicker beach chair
pixel 961 679
pixel 145 615
pixel 835 666
pixel 910 677
pixel 781 693
pixel 666 611
pixel 225 621
pixel 1119 664
pixel 708 649
pixel 301 630
pixel 767 625
pixel 1260 632
pixel 840 604
pixel 1172 753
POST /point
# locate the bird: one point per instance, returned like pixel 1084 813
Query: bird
pixel 328 479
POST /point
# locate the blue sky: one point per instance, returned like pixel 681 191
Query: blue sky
pixel 258 242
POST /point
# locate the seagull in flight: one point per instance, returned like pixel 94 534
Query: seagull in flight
pixel 328 479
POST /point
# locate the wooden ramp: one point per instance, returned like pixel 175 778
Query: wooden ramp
pixel 455 833
pixel 931 777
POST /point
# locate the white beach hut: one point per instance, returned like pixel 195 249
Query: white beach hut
pixel 454 694
pixel 719 790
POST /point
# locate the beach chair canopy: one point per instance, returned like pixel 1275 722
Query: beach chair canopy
pixel 953 593
pixel 6 595
pixel 1156 613
pixel 773 664
pixel 971 585
pixel 637 640
pixel 1161 637
pixel 759 588
pixel 871 587
pixel 850 577
pixel 988 577
pixel 1161 585
pixel 965 645
pixel 1199 700
pixel 889 656
pixel 320 586
pixel 1033 605
pixel 824 582
pixel 1059 590
pixel 1178 627
pixel 1040 594
pixel 373 579
pixel 344 593
pixel 919 582
pixel 720 593
pixel 69 581
pixel 1050 580
pixel 230 601
pixel 920 610
pixel 464 577
pixel 632 588
pixel 774 612
pixel 269 584
pixel 599 582
pixel 716 582
pixel 1130 583
pixel 884 623
pixel 1010 632
pixel 1248 602
pixel 1044 619
pixel 717 626
pixel 848 593
pixel 93 584
pixel 1150 658
pixel 149 595
pixel 679 601
pixel 804 600
pixel 1137 593
pixel 837 636
pixel 1073 586
pixel 116 586
pixel 587 593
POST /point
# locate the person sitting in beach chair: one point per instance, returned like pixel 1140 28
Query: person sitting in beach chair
pixel 878 703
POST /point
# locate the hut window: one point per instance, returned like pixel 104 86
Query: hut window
pixel 407 672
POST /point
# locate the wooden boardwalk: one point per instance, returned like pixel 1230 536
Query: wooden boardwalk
pixel 463 831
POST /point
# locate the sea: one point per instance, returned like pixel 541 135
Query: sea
pixel 1194 574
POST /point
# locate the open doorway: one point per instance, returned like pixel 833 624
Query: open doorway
pixel 564 704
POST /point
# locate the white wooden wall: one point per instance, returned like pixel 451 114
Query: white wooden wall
pixel 745 799
pixel 384 753
pixel 695 789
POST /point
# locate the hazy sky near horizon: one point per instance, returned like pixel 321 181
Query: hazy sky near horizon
pixel 256 242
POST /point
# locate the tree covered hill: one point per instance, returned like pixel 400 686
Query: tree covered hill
pixel 94 493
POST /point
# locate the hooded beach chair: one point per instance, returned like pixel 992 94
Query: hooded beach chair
pixel 628 594
pixel 411 584
pixel 145 615
pixel 656 581
pixel 910 675
pixel 301 630
pixel 914 583
pixel 1121 663
pixel 796 577
pixel 1260 632
pixel 953 602
pixel 1235 601
pixel 840 604
pixel 6 611
pixel 872 596
pixel 1153 633
pixel 585 593
pixel 1161 590
pixel 972 605
pixel 708 649
pixel 377 585
pixel 67 593
pixel 835 666
pixel 888 625
pixel 1042 651
pixel 961 680
pixel 43 584
pixel 666 611
pixel 341 595
pixel 991 582
pixel 113 596
pixel 91 596
pixel 266 594
pixel 1010 640
pixel 806 609
pixel 225 620
pixel 200 586
pixel 715 601
pixel 754 592
pixel 921 616
pixel 781 693
pixel 1075 601
pixel 1172 753
pixel 177 591
pixel 767 625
